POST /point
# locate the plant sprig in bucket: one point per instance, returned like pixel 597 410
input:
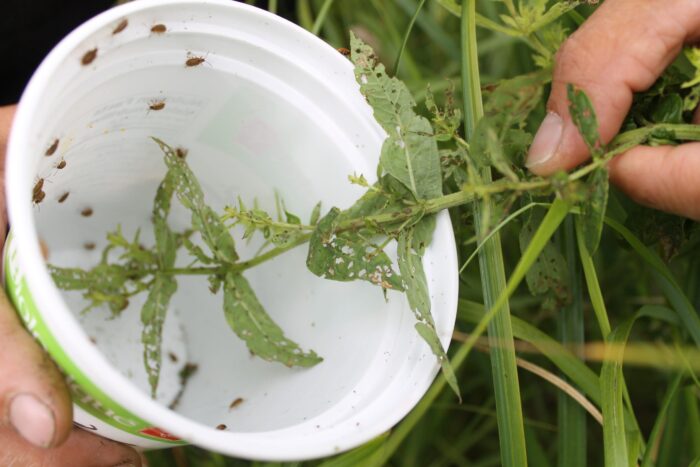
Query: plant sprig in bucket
pixel 425 167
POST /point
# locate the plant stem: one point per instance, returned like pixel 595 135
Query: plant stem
pixel 493 278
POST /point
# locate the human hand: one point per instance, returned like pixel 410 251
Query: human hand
pixel 36 424
pixel 623 48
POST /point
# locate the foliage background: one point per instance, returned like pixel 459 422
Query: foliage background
pixel 449 433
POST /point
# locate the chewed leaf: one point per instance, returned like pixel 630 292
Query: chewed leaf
pixel 410 153
pixel 593 209
pixel 549 273
pixel 346 256
pixel 204 219
pixel 516 97
pixel 430 337
pixel 250 322
pixel 583 115
pixel 152 317
pixel 166 244
pixel 411 267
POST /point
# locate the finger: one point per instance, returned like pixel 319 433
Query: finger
pixel 81 449
pixel 34 400
pixel 7 113
pixel 664 177
pixel 622 48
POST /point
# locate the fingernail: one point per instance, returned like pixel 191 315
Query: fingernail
pixel 546 141
pixel 32 419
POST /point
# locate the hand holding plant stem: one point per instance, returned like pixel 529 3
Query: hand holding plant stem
pixel 620 50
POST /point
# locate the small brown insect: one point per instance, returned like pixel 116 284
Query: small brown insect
pixel 173 357
pixel 89 57
pixel 194 61
pixel 93 340
pixel 44 249
pixel 52 149
pixel 38 186
pixel 38 197
pixel 87 212
pixel 221 426
pixel 158 28
pixel 89 246
pixel 344 51
pixel 156 104
pixel 63 197
pixel 121 26
pixel 181 153
pixel 61 164
pixel 238 401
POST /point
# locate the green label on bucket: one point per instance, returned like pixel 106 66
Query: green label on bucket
pixel 83 391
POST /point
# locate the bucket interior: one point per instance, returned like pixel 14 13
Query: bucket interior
pixel 255 120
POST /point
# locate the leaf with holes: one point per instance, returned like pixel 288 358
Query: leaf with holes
pixel 250 322
pixel 153 316
pixel 346 256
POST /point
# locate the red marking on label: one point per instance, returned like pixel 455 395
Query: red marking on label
pixel 158 433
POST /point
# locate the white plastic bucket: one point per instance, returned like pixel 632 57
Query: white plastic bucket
pixel 271 108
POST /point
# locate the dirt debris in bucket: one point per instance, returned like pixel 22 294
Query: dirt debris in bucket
pixel 121 26
pixel 52 149
pixel 63 197
pixel 156 104
pixel 158 28
pixel 86 212
pixel 89 56
pixel 61 165
pixel 236 402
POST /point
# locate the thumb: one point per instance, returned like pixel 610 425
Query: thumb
pixel 621 49
pixel 33 397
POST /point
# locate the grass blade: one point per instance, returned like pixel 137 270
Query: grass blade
pixel 650 453
pixel 321 18
pixel 686 311
pixel 505 373
pixel 571 416
pixel 406 35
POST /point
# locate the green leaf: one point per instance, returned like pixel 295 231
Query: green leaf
pixel 250 322
pixel 166 243
pixel 593 209
pixel 315 214
pixel 515 98
pixel 410 152
pixel 446 120
pixel 346 256
pixel 152 317
pixel 214 233
pixel 549 273
pixel 583 115
pixel 196 251
pixel 669 110
pixel 416 284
